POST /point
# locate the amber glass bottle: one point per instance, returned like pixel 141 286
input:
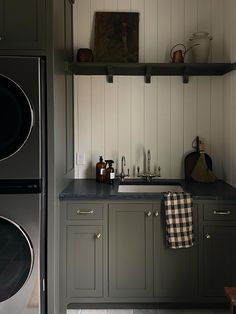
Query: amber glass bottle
pixel 101 170
pixel 110 172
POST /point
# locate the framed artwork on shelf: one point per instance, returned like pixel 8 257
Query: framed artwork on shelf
pixel 116 37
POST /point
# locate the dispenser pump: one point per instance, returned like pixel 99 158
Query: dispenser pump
pixel 110 172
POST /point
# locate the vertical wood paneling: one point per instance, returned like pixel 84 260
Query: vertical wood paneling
pixel 84 124
pixel 163 122
pixel 124 5
pixel 124 118
pixel 164 30
pixel 137 122
pixel 190 24
pixel 204 15
pixel 138 6
pixel 227 31
pixel 204 110
pixel 83 24
pixel 217 30
pixel 110 122
pixel 232 30
pixel 98 120
pixel 129 116
pixel 110 5
pixel 216 136
pixel 227 148
pixel 190 114
pixel 233 130
pixel 151 121
pixel 150 35
pixel 177 22
pixel 176 126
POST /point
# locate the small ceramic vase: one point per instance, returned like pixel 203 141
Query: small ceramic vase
pixel 202 40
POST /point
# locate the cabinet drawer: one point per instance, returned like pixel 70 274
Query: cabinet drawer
pixel 224 212
pixel 78 211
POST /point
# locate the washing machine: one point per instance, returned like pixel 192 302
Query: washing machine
pixel 22 185
pixel 22 120
pixel 22 258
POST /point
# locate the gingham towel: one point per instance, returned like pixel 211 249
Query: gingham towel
pixel 179 220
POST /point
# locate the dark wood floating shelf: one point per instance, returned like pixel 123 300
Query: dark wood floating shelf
pixel 151 69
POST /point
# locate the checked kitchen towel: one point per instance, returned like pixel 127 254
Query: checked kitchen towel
pixel 179 220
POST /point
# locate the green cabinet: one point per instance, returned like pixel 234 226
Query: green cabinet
pixel 22 24
pixel 117 252
pixel 218 254
pixel 84 261
pixel 219 259
pixel 130 250
pixel 176 270
pixel 83 235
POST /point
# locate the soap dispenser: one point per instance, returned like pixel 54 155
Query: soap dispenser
pixel 101 170
pixel 110 172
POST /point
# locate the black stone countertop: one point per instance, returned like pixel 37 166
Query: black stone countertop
pixel 89 189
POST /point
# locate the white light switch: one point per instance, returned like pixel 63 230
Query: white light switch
pixel 80 158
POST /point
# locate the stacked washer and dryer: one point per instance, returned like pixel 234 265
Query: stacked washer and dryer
pixel 22 185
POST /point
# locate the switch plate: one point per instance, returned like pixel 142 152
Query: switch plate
pixel 80 158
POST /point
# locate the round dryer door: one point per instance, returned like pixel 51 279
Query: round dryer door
pixel 16 258
pixel 16 117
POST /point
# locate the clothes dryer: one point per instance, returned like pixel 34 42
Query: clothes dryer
pixel 22 119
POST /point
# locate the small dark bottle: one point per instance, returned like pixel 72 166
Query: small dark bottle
pixel 101 170
pixel 110 172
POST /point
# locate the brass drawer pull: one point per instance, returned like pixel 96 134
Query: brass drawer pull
pixel 80 212
pixel 149 214
pixel 208 236
pixel 221 212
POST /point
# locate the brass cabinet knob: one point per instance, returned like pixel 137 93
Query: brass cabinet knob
pixel 98 235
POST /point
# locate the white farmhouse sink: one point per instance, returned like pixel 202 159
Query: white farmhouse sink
pixel 157 188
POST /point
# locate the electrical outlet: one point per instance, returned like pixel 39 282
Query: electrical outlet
pixel 80 158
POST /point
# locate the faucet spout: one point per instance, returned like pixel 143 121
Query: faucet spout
pixel 122 174
pixel 123 163
pixel 148 175
pixel 149 161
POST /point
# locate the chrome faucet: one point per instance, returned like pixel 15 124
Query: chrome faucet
pixel 122 174
pixel 148 175
pixel 149 159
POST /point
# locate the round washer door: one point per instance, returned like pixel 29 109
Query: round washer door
pixel 16 258
pixel 16 117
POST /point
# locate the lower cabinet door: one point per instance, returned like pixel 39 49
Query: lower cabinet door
pixel 176 270
pixel 219 259
pixel 130 250
pixel 84 261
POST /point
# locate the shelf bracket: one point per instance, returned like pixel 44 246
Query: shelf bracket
pixel 186 75
pixel 148 74
pixel 110 74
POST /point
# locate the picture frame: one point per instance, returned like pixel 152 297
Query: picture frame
pixel 116 37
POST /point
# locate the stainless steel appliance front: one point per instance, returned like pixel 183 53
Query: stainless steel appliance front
pixel 22 260
pixel 21 117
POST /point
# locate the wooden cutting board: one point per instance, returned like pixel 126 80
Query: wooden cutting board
pixel 191 160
